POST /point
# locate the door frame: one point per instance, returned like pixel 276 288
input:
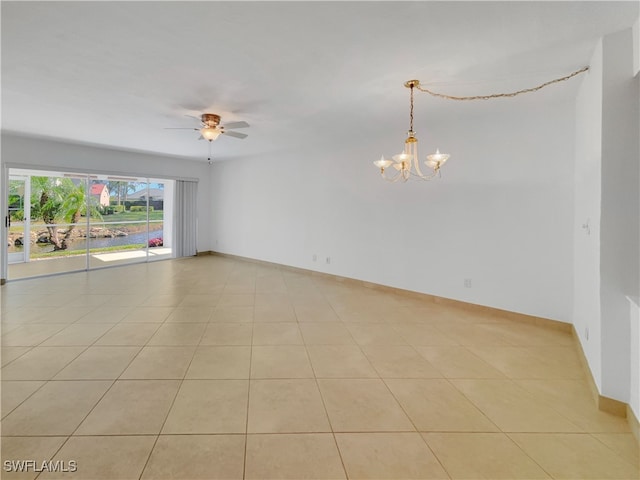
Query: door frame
pixel 23 256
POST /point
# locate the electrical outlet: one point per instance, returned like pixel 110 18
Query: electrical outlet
pixel 467 283
pixel 328 260
pixel 315 257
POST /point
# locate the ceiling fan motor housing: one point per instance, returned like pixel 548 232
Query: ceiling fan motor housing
pixel 211 120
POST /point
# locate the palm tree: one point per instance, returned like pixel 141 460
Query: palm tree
pixel 46 202
pixel 60 199
pixel 73 207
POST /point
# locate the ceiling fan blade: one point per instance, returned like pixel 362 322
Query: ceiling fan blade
pixel 192 116
pixel 200 137
pixel 180 128
pixel 235 134
pixel 236 125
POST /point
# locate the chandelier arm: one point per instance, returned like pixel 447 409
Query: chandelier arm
pixel 502 95
pixel 436 173
pixel 393 179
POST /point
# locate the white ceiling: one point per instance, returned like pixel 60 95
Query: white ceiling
pixel 117 73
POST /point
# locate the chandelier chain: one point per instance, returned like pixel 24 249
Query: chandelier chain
pixel 495 95
pixel 411 112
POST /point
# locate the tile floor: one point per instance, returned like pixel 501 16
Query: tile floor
pixel 209 367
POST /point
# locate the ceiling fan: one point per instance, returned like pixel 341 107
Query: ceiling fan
pixel 210 127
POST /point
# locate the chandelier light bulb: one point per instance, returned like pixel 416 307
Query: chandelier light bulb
pixel 436 160
pixel 382 163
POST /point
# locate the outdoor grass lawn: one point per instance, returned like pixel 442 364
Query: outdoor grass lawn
pixel 70 253
pixel 131 216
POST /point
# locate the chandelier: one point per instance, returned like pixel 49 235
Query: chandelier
pixel 407 163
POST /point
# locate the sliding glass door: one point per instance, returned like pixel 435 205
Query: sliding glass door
pixel 77 221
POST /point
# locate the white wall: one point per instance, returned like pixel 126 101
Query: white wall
pixel 586 254
pixel 501 215
pixel 634 337
pixel 25 152
pixel 607 262
pixel 620 216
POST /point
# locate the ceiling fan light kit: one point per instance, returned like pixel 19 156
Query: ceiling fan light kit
pixel 407 164
pixel 210 129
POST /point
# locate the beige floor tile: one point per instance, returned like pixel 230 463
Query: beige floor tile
pixel 362 405
pixel 281 361
pixel 490 456
pixel 209 406
pixel 66 314
pixel 160 363
pixel 201 300
pixel 178 334
pixel 233 314
pixel 126 300
pixel 89 300
pixel 523 334
pixel 532 362
pixel 15 449
pixel 98 363
pixel 77 334
pixel 236 300
pixel 105 314
pixel 196 457
pixel 57 408
pixel 220 363
pixel 163 301
pixel 40 363
pixel 273 299
pixel 323 313
pixel 577 456
pixel 435 405
pixel 131 407
pixel 14 393
pixel 422 334
pixel 458 362
pixel 340 361
pixel 9 354
pixel 191 314
pixel 286 406
pixel 624 444
pixel 104 458
pixel 278 314
pixel 277 334
pixel 132 334
pixel 227 334
pixel 25 314
pixel 573 399
pixel 473 334
pixel 240 288
pixel 148 315
pixel 8 327
pixel 398 361
pixel 30 335
pixel 388 456
pixel 512 408
pixel 293 456
pixel 326 333
pixel 375 334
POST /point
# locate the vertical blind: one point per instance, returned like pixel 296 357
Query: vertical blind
pixel 186 218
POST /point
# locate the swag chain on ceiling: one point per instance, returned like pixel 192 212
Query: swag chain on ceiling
pixel 499 95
